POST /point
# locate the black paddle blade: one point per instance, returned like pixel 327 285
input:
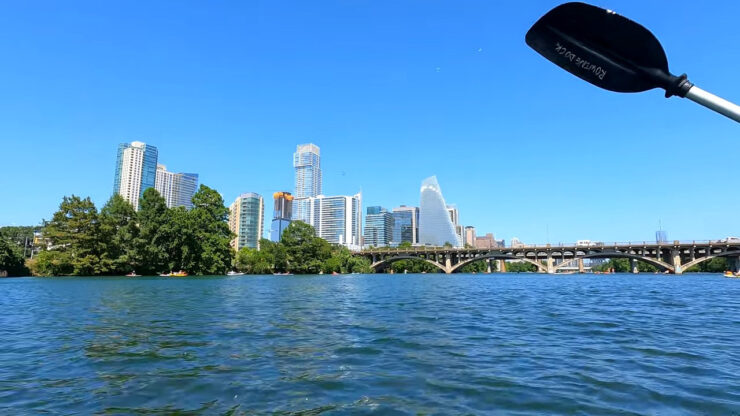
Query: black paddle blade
pixel 602 47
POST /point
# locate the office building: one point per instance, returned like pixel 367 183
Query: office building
pixel 307 165
pixel 470 236
pixel 516 243
pixel 336 219
pixel 378 227
pixel 455 218
pixel 487 241
pixel 282 214
pixel 246 219
pixel 435 222
pixel 177 189
pixel 405 225
pixel 136 170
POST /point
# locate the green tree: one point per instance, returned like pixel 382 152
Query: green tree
pixel 413 266
pixel 306 253
pixel 715 265
pixel 480 266
pixel 119 232
pixel 11 259
pixel 520 267
pixel 52 263
pixel 151 245
pixel 75 230
pixel 277 252
pixel 253 261
pixel 211 235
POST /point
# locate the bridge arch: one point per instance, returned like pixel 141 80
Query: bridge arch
pixel 378 265
pixel 616 254
pixel 540 267
pixel 709 257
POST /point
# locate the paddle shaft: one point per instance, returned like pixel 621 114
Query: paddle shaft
pixel 713 102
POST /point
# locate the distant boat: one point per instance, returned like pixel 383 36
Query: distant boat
pixel 334 274
pixel 731 274
pixel 283 274
pixel 133 274
pixel 181 273
pixel 233 273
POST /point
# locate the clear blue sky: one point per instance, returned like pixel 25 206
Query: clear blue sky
pixel 392 92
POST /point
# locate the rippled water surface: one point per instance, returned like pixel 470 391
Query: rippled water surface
pixel 383 344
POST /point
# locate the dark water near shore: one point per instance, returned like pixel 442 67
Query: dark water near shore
pixel 383 344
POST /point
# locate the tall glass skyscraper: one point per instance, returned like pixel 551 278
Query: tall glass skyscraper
pixel 435 224
pixel 246 220
pixel 307 164
pixel 405 225
pixel 177 189
pixel 378 227
pixel 282 213
pixel 136 170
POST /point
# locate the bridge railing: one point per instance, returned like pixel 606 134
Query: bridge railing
pixel 591 245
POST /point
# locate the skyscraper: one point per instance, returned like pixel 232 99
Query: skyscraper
pixel 246 220
pixel 405 225
pixel 307 164
pixel 136 170
pixel 378 227
pixel 176 188
pixel 455 218
pixel 282 213
pixel 337 219
pixel 470 236
pixel 435 224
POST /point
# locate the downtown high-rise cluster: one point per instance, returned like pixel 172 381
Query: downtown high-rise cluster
pixel 337 219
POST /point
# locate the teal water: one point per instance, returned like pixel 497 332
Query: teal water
pixel 382 344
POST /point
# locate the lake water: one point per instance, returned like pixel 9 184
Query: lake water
pixel 383 344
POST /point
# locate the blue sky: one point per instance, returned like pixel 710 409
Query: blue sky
pixel 392 92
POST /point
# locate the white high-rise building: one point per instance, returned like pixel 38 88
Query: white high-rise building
pixel 337 219
pixel 136 170
pixel 307 164
pixel 435 222
pixel 176 188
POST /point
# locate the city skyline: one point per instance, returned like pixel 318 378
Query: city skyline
pixel 518 145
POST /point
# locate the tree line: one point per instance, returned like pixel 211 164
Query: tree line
pixel 117 239
pixel 81 240
pixel 300 251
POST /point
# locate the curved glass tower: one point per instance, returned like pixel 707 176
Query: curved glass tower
pixel 435 225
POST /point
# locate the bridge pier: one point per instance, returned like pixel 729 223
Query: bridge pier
pixel 488 266
pixel 448 264
pixel 550 264
pixel 581 268
pixel 634 267
pixel 501 266
pixel 734 263
pixel 676 257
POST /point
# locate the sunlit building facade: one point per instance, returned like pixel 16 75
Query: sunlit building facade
pixel 282 214
pixel 177 189
pixel 435 224
pixel 337 219
pixel 405 225
pixel 307 165
pixel 246 220
pixel 378 227
pixel 136 170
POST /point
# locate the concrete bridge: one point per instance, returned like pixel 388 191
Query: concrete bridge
pixel 674 257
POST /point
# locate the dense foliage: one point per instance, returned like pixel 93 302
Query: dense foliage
pixel 623 265
pixel 300 251
pixel 11 258
pixel 118 240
